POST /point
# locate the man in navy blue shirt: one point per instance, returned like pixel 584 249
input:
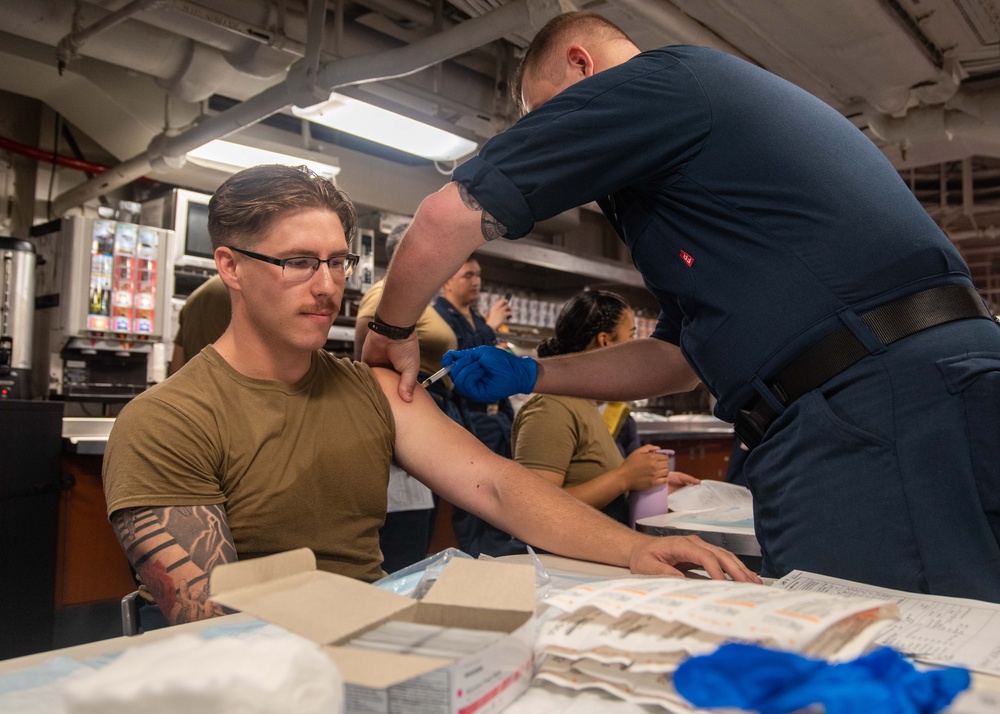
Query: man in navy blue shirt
pixel 490 421
pixel 457 306
pixel 797 277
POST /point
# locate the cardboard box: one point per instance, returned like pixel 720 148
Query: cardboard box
pixel 287 590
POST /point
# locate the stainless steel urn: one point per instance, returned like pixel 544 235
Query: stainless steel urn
pixel 17 315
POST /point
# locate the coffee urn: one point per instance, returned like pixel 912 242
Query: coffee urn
pixel 17 314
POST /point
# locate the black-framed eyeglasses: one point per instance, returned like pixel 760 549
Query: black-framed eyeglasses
pixel 301 268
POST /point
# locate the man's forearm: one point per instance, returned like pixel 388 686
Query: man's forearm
pixel 443 234
pixel 173 549
pixel 542 514
pixel 633 370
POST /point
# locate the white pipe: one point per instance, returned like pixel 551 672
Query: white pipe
pixel 70 44
pixel 990 232
pixel 296 89
pixel 966 111
pixel 454 41
pixel 411 11
pixel 922 124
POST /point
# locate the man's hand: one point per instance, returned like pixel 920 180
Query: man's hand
pixel 400 355
pixel 500 312
pixel 675 554
pixel 488 374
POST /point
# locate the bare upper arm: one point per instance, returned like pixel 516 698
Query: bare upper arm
pixel 173 549
pixel 439 452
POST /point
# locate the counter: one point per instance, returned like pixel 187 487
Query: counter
pixel 86 435
pixel 681 426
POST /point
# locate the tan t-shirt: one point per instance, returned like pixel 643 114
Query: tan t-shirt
pixel 305 465
pixel 433 333
pixel 565 435
pixel 204 317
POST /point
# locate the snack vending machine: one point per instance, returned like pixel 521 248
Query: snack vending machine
pixel 106 342
pixel 124 261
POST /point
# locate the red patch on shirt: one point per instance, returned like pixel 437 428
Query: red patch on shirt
pixel 686 257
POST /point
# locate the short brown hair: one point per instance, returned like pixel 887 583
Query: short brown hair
pixel 247 204
pixel 547 39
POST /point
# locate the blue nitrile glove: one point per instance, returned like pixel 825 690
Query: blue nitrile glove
pixel 771 682
pixel 488 374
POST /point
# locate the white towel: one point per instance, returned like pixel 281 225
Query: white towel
pixel 196 676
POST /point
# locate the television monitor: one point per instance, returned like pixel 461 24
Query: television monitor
pixel 193 246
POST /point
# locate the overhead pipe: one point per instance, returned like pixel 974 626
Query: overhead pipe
pixel 452 42
pixel 989 232
pixel 69 45
pixel 238 26
pixel 33 152
pixel 405 8
pixel 192 61
pixel 169 151
pixel 965 112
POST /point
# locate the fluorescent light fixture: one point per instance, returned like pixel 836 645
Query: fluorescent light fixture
pixel 384 127
pixel 231 157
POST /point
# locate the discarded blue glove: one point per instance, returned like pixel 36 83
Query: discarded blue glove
pixel 772 682
pixel 488 374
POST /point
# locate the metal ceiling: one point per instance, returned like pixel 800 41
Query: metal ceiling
pixel 920 77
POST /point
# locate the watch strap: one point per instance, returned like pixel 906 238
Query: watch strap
pixel 393 332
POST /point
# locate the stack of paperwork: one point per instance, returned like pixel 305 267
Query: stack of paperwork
pixel 931 628
pixel 627 637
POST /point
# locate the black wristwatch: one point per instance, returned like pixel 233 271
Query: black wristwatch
pixel 390 331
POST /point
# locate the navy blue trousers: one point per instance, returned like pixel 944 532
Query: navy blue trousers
pixel 889 473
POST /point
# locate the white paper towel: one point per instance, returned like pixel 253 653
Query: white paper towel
pixel 219 676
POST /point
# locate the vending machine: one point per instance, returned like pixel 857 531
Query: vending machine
pixel 106 340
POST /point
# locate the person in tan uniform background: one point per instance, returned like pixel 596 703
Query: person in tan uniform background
pixel 566 440
pixel 264 442
pixel 201 321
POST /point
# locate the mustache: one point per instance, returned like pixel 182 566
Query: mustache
pixel 321 307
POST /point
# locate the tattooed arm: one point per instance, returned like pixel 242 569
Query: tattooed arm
pixel 173 549
pixel 491 228
pixel 447 227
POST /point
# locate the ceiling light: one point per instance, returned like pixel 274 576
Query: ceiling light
pixel 231 157
pixel 384 127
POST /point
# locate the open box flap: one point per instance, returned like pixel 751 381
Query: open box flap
pixel 321 606
pixel 484 584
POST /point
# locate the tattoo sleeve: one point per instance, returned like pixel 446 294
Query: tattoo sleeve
pixel 173 549
pixel 491 227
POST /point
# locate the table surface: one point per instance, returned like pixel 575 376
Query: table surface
pixel 534 701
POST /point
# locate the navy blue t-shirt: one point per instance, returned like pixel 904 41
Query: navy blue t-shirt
pixel 753 210
pixel 468 335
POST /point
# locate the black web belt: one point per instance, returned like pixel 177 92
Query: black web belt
pixel 839 350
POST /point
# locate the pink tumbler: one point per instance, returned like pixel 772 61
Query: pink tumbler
pixel 652 501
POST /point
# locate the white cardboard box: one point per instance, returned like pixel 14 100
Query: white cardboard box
pixel 287 590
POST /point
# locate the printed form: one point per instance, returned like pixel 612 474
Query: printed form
pixel 931 628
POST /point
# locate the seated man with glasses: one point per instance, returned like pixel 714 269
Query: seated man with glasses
pixel 264 442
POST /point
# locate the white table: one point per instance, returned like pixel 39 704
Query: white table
pixel 983 697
